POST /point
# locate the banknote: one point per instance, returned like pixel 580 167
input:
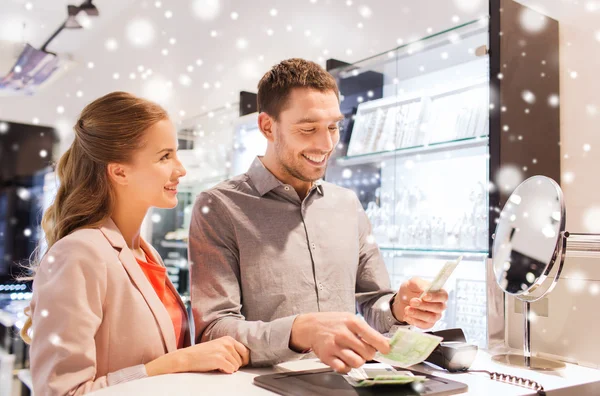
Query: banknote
pixel 408 348
pixel 391 380
pixel 442 276
pixel 362 377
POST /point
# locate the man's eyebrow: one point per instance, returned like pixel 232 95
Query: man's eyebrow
pixel 308 120
pixel 305 120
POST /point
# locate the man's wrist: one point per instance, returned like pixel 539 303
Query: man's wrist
pixel 398 319
pixel 299 341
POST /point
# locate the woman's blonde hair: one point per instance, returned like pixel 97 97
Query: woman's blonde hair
pixel 109 130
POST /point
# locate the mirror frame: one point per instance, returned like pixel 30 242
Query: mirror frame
pixel 547 280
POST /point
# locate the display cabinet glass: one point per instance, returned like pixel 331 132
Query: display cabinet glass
pixel 415 151
pixel 423 137
pixel 248 142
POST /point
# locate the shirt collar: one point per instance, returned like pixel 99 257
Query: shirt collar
pixel 318 184
pixel 265 181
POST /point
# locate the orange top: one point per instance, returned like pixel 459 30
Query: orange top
pixel 157 275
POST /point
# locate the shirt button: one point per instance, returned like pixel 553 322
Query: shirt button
pixel 312 245
pixel 321 286
pixel 286 188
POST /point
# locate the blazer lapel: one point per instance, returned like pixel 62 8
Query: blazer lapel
pixel 112 233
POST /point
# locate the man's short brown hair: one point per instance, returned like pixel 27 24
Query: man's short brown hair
pixel 276 85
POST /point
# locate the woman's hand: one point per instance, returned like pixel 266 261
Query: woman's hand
pixel 223 354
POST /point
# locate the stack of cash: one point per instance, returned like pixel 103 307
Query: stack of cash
pixel 408 348
pixel 362 377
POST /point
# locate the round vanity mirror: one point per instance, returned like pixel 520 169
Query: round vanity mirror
pixel 528 243
pixel 528 253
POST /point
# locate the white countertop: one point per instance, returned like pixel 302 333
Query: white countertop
pixel 240 383
pixel 481 384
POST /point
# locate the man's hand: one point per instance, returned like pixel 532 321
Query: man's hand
pixel 341 340
pixel 422 313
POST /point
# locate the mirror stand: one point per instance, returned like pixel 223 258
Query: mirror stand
pixel 582 245
pixel 526 360
pixel 530 246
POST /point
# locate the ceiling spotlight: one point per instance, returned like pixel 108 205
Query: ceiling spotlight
pixel 89 8
pixel 71 22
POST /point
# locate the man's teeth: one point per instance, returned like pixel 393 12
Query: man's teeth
pixel 315 158
pixel 170 188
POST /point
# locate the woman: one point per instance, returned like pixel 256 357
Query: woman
pixel 103 310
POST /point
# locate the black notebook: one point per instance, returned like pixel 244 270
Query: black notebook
pixel 329 383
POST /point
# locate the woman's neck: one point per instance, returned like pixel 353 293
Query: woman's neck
pixel 128 220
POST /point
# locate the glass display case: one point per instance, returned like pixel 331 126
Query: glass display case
pixel 425 132
pixel 20 215
pixel 248 142
pixel 207 156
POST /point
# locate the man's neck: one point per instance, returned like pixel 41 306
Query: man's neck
pixel 302 187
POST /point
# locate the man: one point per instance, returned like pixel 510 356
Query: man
pixel 281 260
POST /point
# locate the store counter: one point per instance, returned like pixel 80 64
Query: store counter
pixel 561 382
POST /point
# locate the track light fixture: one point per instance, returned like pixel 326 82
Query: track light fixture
pixel 71 22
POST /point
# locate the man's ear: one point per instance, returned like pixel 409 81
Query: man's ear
pixel 266 124
pixel 117 173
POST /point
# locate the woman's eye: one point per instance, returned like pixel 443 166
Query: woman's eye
pixel 166 156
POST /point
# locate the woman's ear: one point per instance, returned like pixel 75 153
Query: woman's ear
pixel 265 124
pixel 117 173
